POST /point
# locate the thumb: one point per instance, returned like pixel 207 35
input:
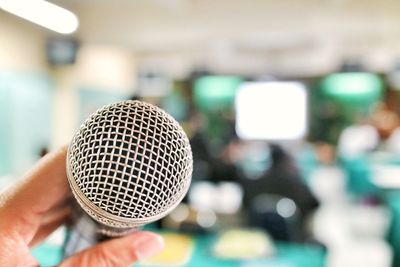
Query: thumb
pixel 122 251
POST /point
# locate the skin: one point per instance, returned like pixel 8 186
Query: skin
pixel 37 205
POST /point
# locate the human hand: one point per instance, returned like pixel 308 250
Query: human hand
pixel 37 205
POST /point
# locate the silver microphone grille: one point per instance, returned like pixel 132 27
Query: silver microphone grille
pixel 129 164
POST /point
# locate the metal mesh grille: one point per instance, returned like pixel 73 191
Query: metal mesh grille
pixel 131 160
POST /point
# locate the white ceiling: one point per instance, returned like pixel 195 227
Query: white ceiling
pixel 286 36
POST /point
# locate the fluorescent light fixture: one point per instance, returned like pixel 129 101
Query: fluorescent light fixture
pixel 43 13
pixel 271 111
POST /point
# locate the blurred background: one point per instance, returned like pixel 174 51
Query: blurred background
pixel 292 109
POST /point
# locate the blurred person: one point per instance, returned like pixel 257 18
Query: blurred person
pixel 325 153
pixel 327 180
pixel 384 120
pixel 388 123
pixel 36 206
pixel 206 165
pixel 283 178
pixel 225 166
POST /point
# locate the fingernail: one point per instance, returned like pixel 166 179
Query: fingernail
pixel 148 246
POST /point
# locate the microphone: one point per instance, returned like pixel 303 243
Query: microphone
pixel 129 164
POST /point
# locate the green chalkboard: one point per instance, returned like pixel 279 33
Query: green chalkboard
pixel 25 119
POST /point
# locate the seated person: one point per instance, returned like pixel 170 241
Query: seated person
pixel 284 179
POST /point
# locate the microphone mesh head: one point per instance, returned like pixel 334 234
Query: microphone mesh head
pixel 129 164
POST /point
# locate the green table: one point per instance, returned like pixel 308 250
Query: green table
pixel 288 255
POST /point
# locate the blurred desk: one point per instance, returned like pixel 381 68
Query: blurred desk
pixel 392 200
pixel 385 176
pixel 379 174
pixel 358 172
pixel 287 255
pixel 370 174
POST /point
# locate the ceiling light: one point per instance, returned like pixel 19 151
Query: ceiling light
pixel 43 13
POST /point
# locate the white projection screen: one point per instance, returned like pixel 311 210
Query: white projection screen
pixel 271 111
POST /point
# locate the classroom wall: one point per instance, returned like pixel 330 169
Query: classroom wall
pixel 37 96
pixel 21 45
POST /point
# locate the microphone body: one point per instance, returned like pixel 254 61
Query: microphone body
pixel 129 164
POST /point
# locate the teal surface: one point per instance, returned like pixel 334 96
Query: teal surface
pixel 47 255
pixel 301 255
pixel 358 172
pixel 293 255
pixel 288 255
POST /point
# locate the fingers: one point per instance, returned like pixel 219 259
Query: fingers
pixel 122 251
pixel 49 223
pixel 22 206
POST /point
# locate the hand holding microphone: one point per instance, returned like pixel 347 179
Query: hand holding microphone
pixel 35 207
pixel 129 164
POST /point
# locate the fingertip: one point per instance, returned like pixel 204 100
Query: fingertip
pixel 147 244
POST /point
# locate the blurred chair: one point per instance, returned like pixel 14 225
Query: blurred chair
pixel 278 215
pixel 354 235
pixel 363 252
